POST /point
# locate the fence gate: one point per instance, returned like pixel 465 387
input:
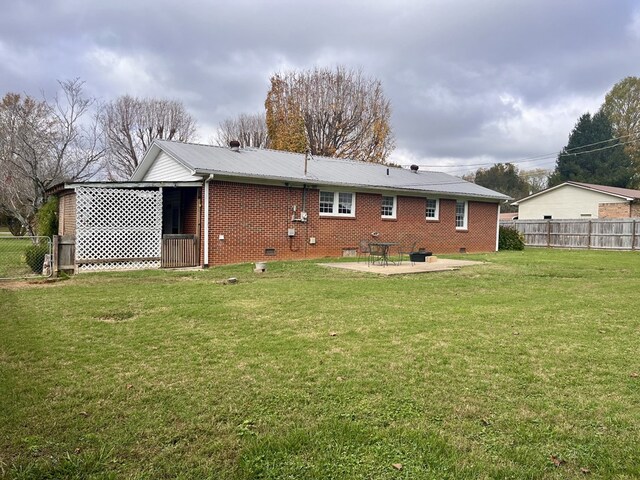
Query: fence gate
pixel 180 250
pixel 25 257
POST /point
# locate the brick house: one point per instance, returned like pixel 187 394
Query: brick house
pixel 245 205
pixel 575 200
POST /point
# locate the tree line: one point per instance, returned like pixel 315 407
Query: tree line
pixel 73 137
pixel 603 149
pixel 336 112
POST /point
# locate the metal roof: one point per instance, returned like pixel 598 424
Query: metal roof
pixel 252 163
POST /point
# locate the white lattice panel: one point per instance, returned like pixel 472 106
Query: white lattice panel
pixel 114 223
pixel 95 267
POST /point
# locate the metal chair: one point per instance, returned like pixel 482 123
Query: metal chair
pixel 363 249
pixel 376 254
pixel 406 248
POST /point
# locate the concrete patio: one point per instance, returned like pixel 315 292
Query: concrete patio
pixel 440 265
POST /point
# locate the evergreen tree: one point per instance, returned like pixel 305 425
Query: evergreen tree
pixel 593 155
pixel 503 178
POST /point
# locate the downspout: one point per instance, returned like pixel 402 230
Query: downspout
pixel 206 221
pixel 498 229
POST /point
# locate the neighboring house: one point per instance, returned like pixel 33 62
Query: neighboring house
pixel 235 205
pixel 574 200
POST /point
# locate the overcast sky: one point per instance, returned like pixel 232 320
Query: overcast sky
pixel 471 82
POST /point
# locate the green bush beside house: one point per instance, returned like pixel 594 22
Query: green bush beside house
pixel 510 239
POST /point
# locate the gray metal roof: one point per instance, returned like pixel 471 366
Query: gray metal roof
pixel 290 167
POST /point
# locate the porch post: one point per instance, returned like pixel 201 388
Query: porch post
pixel 498 229
pixel 206 221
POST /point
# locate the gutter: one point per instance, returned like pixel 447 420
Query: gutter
pixel 498 230
pixel 236 177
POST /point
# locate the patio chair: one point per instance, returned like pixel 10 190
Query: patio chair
pixel 377 254
pixel 406 248
pixel 363 249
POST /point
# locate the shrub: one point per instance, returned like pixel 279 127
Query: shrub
pixel 510 239
pixel 34 256
pixel 48 218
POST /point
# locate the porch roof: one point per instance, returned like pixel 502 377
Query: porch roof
pixel 63 186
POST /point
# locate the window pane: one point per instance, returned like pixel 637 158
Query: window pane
pixel 432 208
pixel 326 202
pixel 387 206
pixel 460 214
pixel 345 201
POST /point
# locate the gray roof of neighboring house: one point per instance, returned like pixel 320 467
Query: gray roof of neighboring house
pixel 285 166
pixel 626 193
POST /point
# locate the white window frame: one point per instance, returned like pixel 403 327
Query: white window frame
pixel 437 209
pixel 336 203
pixel 465 216
pixel 393 207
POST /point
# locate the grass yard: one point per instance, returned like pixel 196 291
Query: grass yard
pixel 525 367
pixel 12 257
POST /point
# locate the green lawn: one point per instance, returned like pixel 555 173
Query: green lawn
pixel 12 257
pixel 493 371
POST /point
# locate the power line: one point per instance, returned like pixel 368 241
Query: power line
pixel 546 156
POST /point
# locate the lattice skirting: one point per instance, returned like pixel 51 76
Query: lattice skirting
pixel 113 225
pixel 96 267
pixel 106 244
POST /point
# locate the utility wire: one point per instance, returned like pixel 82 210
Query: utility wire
pixel 545 156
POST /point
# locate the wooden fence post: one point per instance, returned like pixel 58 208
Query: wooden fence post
pixel 548 233
pixel 633 236
pixel 589 237
pixel 55 268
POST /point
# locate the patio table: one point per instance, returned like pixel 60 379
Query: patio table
pixel 379 252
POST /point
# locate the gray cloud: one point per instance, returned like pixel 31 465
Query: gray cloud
pixel 469 81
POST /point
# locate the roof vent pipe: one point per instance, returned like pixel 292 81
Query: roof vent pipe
pixel 234 145
pixel 414 168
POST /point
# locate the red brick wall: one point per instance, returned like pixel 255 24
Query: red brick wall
pixel 190 210
pixel 253 218
pixel 614 210
pixel 67 214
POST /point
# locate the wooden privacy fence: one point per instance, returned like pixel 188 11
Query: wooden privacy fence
pixel 64 253
pixel 180 250
pixel 612 234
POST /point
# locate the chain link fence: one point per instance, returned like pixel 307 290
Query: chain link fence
pixel 25 257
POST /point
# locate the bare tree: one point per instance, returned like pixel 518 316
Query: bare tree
pixel 622 107
pixel 537 178
pixel 248 129
pixel 341 113
pixel 131 124
pixel 77 146
pixel 42 143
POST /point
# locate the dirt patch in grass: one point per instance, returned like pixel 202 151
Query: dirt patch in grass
pixel 23 284
pixel 116 316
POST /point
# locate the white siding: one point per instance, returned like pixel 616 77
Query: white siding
pixel 565 202
pixel 166 169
